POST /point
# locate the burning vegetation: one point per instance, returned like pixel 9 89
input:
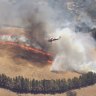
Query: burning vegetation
pixel 22 42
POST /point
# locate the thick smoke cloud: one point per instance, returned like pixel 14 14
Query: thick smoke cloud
pixel 36 29
pixel 36 22
pixel 75 52
pixel 73 20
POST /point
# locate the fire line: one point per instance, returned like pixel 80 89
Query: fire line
pixel 28 49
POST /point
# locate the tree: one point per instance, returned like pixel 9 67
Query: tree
pixel 4 81
pixel 70 84
pixel 24 85
pixel 76 82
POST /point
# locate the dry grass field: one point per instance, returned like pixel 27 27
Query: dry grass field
pixel 13 66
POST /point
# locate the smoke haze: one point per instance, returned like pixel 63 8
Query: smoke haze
pixel 43 19
pixel 74 52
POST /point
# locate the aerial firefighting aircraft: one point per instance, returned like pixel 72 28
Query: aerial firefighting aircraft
pixel 53 39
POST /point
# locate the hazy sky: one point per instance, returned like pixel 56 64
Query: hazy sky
pixel 57 12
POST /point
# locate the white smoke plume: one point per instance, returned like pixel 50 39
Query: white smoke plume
pixel 20 39
pixel 74 52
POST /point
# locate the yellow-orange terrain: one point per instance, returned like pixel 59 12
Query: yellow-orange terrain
pixel 12 65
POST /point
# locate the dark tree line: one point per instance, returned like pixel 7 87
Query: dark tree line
pixel 24 85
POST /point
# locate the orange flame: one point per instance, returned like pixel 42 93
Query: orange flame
pixel 28 48
pixel 25 47
pixel 49 61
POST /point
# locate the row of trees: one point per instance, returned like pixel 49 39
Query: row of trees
pixel 24 85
